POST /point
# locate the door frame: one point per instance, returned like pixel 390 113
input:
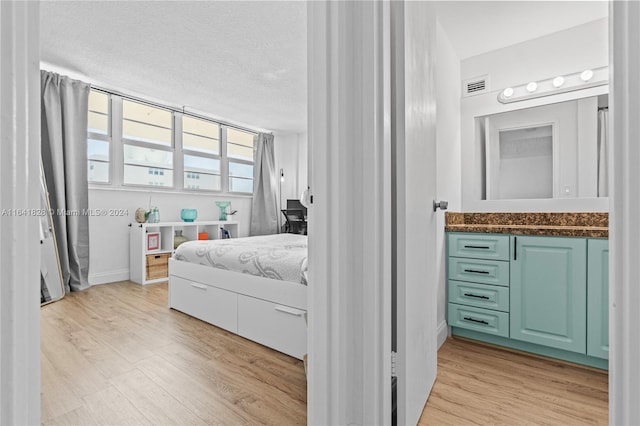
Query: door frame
pixel 624 209
pixel 20 202
pixel 349 343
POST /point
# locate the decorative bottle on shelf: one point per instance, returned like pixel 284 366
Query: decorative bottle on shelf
pixel 153 216
pixel 223 208
pixel 179 239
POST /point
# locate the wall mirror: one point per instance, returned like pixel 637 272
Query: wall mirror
pixel 51 286
pixel 550 151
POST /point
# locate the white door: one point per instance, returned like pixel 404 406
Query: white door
pixel 415 222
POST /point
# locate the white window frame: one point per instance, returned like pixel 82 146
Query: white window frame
pixel 181 152
pixel 106 138
pixel 117 143
pixel 228 159
pixel 149 145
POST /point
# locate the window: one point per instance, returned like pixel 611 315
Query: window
pixel 157 147
pixel 146 123
pixel 201 154
pixel 200 136
pixel 147 143
pixel 98 137
pixel 241 153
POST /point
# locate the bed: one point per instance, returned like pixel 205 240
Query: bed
pixel 254 287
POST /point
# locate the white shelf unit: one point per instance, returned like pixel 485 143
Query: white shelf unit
pixel 152 266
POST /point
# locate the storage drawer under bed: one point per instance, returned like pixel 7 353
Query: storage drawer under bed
pixel 210 304
pixel 278 326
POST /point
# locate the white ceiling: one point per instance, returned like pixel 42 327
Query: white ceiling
pixel 476 27
pixel 245 62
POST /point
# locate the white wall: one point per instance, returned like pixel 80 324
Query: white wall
pixel 564 52
pixel 291 156
pixel 573 50
pixel 109 234
pixel 448 155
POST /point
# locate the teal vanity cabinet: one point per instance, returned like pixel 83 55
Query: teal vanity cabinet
pixel 549 291
pixel 541 294
pixel 598 298
pixel 478 282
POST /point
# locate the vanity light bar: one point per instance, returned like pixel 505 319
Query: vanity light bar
pixel 553 86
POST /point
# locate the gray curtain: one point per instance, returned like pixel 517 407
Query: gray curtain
pixel 64 158
pixel 264 207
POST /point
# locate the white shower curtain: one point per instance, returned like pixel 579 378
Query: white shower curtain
pixel 603 153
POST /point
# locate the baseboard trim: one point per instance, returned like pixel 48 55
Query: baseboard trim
pixel 443 333
pixel 109 277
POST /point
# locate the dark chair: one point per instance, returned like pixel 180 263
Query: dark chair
pixel 295 221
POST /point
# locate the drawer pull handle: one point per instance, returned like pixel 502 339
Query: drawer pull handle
pixel 289 311
pixel 478 247
pixel 475 320
pixel 475 271
pixel 200 286
pixel 476 296
pixel 157 256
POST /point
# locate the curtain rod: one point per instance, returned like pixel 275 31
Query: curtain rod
pixel 603 108
pixel 174 109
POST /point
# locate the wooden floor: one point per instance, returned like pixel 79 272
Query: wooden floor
pixel 484 385
pixel 115 354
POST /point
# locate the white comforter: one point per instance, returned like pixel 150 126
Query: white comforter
pixel 279 257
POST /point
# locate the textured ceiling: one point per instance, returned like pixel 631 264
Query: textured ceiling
pixel 243 62
pixel 476 27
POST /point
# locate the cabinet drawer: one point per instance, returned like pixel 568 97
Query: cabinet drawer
pixel 479 295
pixel 157 265
pixel 479 246
pixel 478 319
pixel 210 304
pixel 278 326
pixel 479 271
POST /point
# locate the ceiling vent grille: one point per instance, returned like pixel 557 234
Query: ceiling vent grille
pixel 475 86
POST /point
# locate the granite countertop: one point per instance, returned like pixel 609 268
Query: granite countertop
pixel 593 225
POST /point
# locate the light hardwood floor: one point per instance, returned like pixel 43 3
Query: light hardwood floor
pixel 484 385
pixel 115 354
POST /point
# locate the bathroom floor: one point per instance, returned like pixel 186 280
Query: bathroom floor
pixel 481 384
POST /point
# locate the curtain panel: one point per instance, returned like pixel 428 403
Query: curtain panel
pixel 64 159
pixel 264 206
pixel 603 153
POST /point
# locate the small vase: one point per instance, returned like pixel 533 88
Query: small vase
pixel 179 239
pixel 141 215
pixel 188 215
pixel 153 215
pixel 223 208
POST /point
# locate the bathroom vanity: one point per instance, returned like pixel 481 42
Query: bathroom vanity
pixel 536 282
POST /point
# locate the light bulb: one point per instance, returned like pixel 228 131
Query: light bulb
pixel 508 92
pixel 586 75
pixel 531 87
pixel 558 81
pixel 281 178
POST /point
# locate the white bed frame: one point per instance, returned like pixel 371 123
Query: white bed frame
pixel 267 311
